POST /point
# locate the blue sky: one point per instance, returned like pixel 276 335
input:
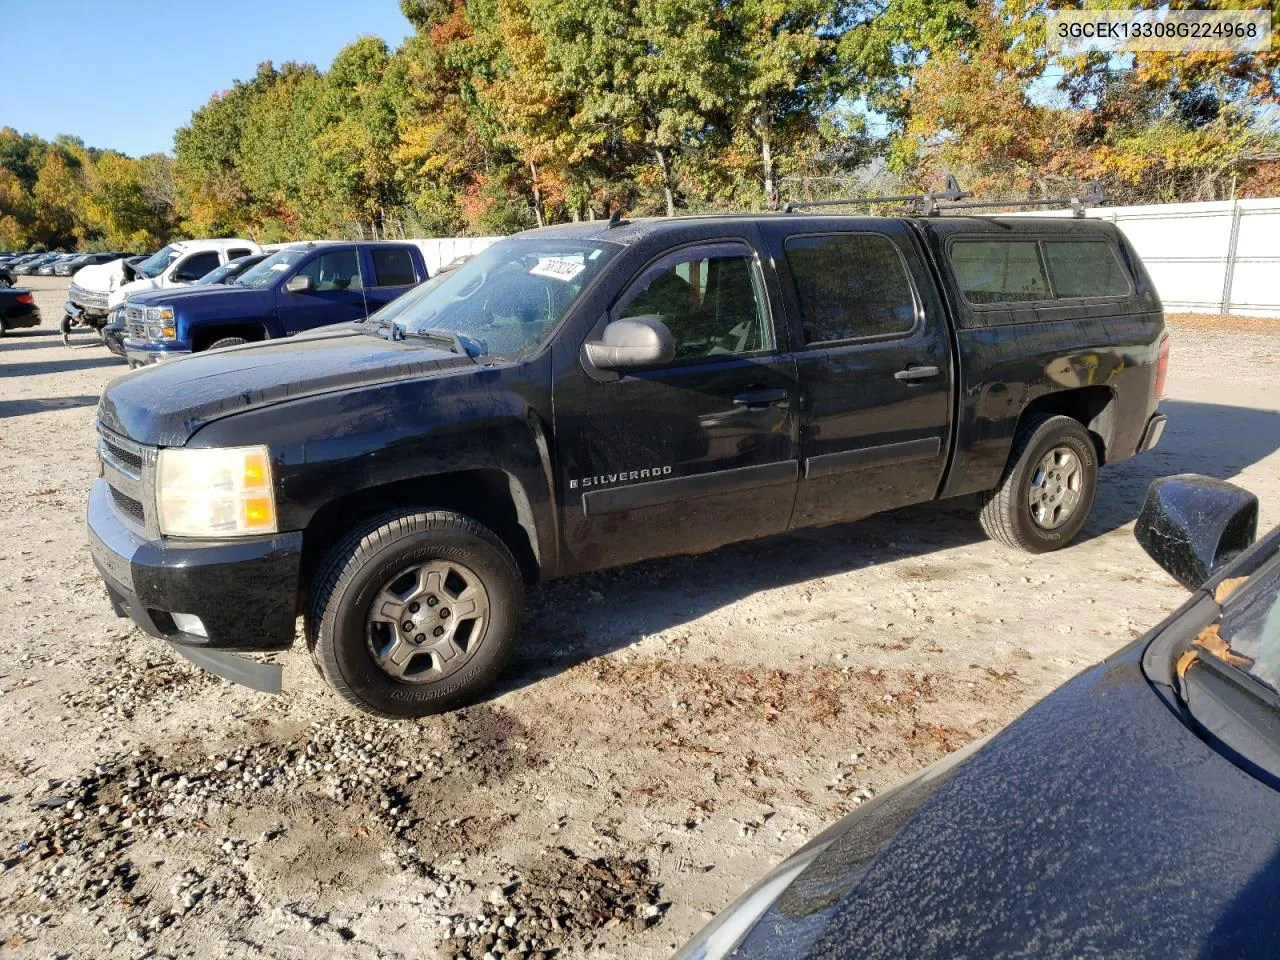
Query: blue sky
pixel 125 74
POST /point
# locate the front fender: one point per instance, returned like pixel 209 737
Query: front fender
pixel 331 446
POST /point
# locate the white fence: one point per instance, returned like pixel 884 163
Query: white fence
pixel 1218 257
pixel 437 252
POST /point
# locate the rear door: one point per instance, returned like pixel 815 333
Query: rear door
pixel 336 294
pixel 392 271
pixel 874 362
pixel 688 456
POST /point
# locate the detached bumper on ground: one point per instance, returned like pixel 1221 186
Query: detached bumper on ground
pixel 244 593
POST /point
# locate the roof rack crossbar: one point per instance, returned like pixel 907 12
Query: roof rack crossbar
pixel 929 201
pixel 1095 197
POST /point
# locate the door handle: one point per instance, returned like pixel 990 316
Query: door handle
pixel 916 373
pixel 760 398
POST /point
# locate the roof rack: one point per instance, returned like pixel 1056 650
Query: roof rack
pixel 1094 198
pixel 928 201
pixel 952 195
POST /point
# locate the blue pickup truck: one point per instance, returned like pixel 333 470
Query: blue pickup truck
pixel 297 288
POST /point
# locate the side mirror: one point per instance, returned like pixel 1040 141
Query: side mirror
pixel 299 283
pixel 1193 526
pixel 632 343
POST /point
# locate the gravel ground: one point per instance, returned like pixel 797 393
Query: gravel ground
pixel 669 732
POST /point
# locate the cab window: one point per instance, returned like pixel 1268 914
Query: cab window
pixel 339 270
pixel 711 298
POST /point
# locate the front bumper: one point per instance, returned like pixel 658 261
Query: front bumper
pixel 1155 430
pixel 245 592
pixel 142 353
pixel 113 337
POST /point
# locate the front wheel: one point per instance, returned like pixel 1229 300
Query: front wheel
pixel 1048 488
pixel 415 613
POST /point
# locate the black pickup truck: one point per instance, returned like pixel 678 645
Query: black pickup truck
pixel 589 395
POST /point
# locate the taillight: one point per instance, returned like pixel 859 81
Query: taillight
pixel 1162 366
pixel 25 298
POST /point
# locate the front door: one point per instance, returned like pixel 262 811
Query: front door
pixel 336 294
pixel 874 358
pixel 697 453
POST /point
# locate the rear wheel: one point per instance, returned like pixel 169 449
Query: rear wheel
pixel 415 613
pixel 226 342
pixel 1048 488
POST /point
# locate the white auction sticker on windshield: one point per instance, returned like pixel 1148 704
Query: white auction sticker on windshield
pixel 557 268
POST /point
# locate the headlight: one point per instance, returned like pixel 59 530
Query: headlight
pixel 223 492
pixel 160 324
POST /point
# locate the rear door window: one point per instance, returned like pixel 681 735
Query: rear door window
pixel 237 252
pixel 393 268
pixel 1085 268
pixel 999 271
pixel 850 286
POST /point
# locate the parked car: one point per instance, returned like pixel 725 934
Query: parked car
pixel 17 309
pixel 298 288
pixel 21 259
pixel 6 277
pixel 230 270
pixel 68 267
pixel 29 267
pixel 1134 812
pixel 589 395
pixel 46 269
pixel 97 291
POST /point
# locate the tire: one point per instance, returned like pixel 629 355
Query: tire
pixel 392 556
pixel 1031 510
pixel 226 342
pixel 4 283
pixel 4 327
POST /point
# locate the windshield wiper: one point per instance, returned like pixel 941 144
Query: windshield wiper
pixel 456 342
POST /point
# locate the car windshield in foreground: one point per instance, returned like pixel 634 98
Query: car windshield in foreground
pixel 155 264
pixel 505 300
pixel 269 270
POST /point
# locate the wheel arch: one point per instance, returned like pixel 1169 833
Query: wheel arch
pixel 492 497
pixel 205 334
pixel 1094 407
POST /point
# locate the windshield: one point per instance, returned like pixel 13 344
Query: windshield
pixel 507 298
pixel 218 274
pixel 155 264
pixel 269 270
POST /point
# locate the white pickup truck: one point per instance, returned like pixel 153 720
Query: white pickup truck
pixel 98 290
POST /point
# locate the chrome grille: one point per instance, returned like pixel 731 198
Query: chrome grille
pixel 135 326
pixel 89 299
pixel 130 507
pixel 129 469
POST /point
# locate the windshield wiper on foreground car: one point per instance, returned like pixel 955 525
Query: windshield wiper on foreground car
pixel 457 343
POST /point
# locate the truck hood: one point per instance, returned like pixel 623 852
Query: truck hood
pixel 189 293
pixel 165 404
pixel 102 277
pixel 122 292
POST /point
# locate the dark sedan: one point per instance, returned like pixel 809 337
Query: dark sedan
pixel 6 277
pixel 17 309
pixel 1135 812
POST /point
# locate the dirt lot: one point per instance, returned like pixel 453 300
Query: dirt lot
pixel 670 731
